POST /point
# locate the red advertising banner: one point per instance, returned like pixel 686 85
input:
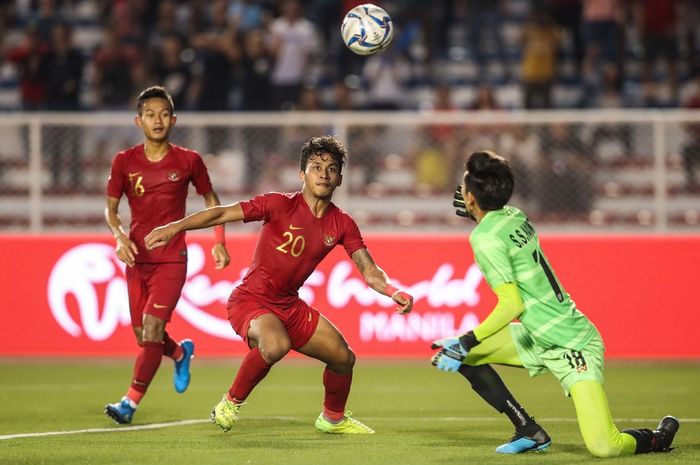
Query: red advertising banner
pixel 66 295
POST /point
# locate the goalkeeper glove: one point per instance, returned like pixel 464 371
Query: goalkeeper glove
pixel 452 351
pixel 446 360
pixel 458 203
pixel 450 355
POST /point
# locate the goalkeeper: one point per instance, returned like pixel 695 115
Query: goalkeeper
pixel 552 335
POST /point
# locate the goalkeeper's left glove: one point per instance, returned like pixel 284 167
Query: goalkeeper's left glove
pixel 458 202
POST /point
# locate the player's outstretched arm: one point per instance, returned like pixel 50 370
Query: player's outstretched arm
pixel 454 349
pixel 510 305
pixel 202 219
pixel 378 280
pixel 126 250
pixel 219 252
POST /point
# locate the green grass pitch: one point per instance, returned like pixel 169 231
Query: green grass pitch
pixel 421 416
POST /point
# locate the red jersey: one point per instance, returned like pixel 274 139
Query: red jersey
pixel 157 193
pixel 291 244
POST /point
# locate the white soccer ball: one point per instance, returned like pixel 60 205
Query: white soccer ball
pixel 367 29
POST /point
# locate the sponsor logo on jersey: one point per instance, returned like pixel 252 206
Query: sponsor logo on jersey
pixel 293 228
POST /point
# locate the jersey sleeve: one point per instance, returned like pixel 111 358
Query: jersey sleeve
pixel 117 180
pixel 256 209
pixel 352 238
pixel 200 176
pixel 491 255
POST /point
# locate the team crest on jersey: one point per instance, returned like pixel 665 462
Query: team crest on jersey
pixel 328 240
pixel 173 176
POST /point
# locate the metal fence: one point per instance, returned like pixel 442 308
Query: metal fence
pixel 592 171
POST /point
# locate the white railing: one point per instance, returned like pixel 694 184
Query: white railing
pixel 656 194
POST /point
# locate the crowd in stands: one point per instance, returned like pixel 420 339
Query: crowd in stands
pixel 248 55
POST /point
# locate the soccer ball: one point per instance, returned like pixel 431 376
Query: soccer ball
pixel 367 29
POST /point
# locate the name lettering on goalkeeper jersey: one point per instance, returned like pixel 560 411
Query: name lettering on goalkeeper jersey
pixel 522 234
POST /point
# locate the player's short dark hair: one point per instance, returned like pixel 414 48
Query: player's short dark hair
pixel 154 92
pixel 320 145
pixel 489 178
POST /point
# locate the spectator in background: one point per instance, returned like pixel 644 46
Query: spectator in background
pixel 691 150
pixel 126 19
pixel 564 184
pixel 484 21
pixel 485 99
pixel 309 100
pixel 118 68
pixel 444 103
pixel 247 15
pixel 45 19
pixel 64 67
pixel 603 34
pixel 256 65
pixel 657 22
pixel 439 146
pixel 28 57
pixel 259 142
pixel 342 97
pixel 171 71
pixel 609 94
pixel 218 52
pixel 689 18
pixel 567 15
pixel 430 160
pixel 386 75
pixel 539 64
pixel 293 42
pixel 166 23
pixel 366 145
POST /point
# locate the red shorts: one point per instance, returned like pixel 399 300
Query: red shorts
pixel 300 320
pixel 154 289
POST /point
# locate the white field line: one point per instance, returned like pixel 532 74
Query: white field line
pixel 128 429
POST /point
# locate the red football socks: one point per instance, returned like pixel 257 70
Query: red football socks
pixel 134 395
pixel 171 348
pixel 337 392
pixel 147 364
pixel 252 370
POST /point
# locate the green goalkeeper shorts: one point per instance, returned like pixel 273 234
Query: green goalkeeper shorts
pixel 567 365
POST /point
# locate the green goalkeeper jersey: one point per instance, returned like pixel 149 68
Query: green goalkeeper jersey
pixel 507 250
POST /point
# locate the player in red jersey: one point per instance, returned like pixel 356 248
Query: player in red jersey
pixel 299 230
pixel 155 177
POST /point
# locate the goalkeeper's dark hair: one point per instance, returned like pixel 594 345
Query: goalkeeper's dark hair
pixel 490 179
pixel 321 145
pixel 154 92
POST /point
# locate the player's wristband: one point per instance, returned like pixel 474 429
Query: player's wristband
pixel 390 290
pixel 220 234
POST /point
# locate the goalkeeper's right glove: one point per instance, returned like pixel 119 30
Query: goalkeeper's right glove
pixel 450 355
pixel 446 360
pixel 452 351
pixel 458 203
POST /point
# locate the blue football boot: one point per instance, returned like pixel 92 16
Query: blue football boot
pixel 121 412
pixel 182 368
pixel 521 442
